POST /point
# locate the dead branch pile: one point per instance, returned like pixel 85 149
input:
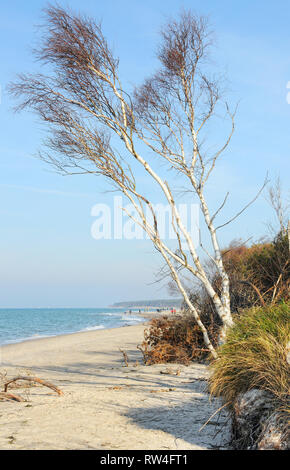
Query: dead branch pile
pixel 176 340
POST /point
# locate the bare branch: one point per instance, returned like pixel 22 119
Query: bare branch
pixel 246 206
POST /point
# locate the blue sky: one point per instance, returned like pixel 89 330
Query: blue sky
pixel 48 257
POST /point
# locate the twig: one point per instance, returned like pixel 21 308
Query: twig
pixel 275 287
pixel 125 356
pixel 209 419
pixel 245 207
pixel 145 356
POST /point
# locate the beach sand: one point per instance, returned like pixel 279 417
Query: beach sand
pixel 105 404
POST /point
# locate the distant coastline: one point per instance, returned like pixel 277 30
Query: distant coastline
pixel 141 304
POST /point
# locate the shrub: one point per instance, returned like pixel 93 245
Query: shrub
pixel 176 340
pixel 262 268
pixel 255 355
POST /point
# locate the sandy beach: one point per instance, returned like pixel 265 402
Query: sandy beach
pixel 105 404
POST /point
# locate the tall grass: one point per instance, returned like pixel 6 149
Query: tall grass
pixel 255 355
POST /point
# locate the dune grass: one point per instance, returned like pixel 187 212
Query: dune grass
pixel 255 356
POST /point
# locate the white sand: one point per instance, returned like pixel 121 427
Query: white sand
pixel 105 404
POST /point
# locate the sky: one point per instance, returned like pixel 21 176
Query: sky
pixel 48 255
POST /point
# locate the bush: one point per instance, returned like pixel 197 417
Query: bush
pixel 176 340
pixel 262 269
pixel 255 355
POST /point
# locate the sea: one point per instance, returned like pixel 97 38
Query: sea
pixel 22 324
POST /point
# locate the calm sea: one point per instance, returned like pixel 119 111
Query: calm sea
pixel 18 325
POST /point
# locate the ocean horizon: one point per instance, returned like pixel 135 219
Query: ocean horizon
pixel 23 324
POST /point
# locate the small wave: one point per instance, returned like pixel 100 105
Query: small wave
pixel 130 318
pixel 92 328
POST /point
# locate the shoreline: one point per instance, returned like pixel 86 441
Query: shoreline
pixel 40 338
pixel 106 405
pixel 65 335
pixel 146 316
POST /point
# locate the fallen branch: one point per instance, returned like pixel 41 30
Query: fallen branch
pixel 33 379
pixel 10 397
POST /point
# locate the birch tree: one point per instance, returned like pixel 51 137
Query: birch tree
pixel 88 110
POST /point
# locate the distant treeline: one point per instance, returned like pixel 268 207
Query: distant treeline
pixel 150 303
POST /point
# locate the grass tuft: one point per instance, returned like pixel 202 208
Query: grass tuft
pixel 255 356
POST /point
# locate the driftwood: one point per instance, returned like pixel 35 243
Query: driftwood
pixel 10 397
pixel 32 379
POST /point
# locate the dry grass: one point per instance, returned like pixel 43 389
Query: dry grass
pixel 255 356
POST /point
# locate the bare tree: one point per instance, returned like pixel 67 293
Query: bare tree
pixel 87 108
